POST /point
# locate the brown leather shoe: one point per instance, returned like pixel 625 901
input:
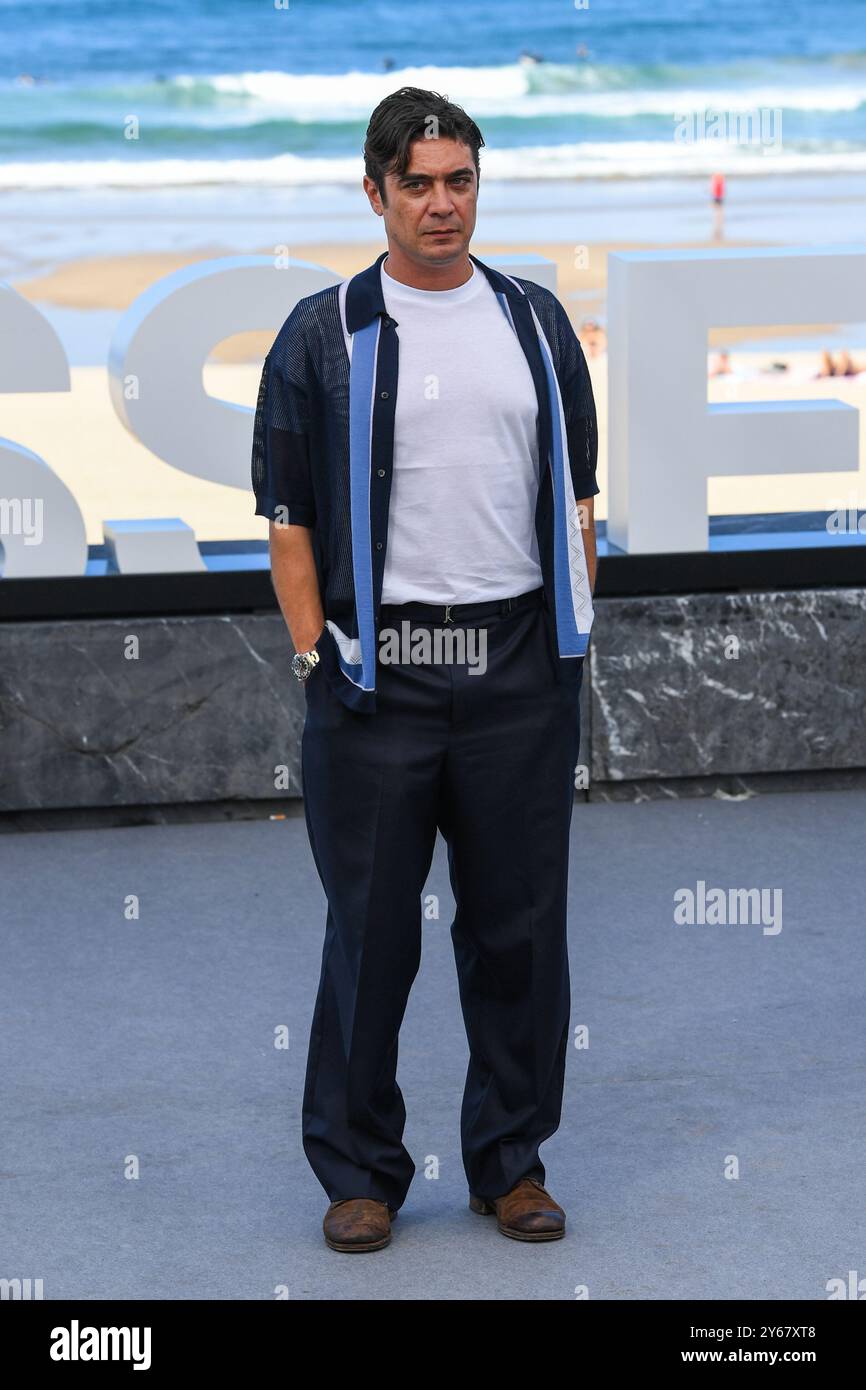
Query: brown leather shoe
pixel 527 1212
pixel 358 1223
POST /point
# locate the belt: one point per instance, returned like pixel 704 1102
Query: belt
pixel 461 612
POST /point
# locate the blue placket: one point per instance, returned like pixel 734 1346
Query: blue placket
pixel 372 401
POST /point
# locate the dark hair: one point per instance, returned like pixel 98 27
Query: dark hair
pixel 405 116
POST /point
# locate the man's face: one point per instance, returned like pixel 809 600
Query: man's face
pixel 431 209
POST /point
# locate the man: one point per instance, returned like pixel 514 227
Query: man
pixel 458 505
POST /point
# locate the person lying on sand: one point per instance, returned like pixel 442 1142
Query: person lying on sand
pixel 843 366
pixel 846 367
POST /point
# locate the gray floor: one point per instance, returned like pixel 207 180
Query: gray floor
pixel 155 1039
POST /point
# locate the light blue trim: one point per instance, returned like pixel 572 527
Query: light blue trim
pixel 362 380
pixel 570 641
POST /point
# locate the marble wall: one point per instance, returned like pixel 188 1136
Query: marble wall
pixel 728 683
pixel 677 690
pixel 207 710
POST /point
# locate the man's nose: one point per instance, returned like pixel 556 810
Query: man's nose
pixel 440 199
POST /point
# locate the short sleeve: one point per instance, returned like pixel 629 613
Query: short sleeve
pixel 280 466
pixel 579 409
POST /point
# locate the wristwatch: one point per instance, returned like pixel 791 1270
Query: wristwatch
pixel 305 662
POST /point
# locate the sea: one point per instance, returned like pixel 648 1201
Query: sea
pixel 221 121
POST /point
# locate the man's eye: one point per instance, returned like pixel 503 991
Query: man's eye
pixel 416 183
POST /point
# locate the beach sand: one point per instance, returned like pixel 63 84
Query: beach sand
pixel 113 282
pixel 112 475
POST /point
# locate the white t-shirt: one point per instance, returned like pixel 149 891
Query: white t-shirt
pixel 461 524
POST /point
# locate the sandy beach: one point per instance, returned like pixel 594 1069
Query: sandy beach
pixel 113 282
pixel 112 475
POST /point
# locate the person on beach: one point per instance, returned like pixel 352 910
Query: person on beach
pixel 717 193
pixel 826 368
pixel 425 448
pixel 843 366
pixel 593 338
pixel 722 366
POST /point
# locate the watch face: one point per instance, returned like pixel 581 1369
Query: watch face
pixel 305 662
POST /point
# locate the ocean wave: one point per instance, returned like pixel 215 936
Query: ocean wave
pixel 587 160
pixel 539 90
pixel 515 90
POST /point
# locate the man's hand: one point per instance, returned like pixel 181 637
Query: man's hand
pixel 296 584
pixel 586 513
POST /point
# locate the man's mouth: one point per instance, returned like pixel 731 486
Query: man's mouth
pixel 444 231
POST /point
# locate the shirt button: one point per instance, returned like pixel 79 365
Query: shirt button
pixel 381 472
pixel 384 395
pixel 378 545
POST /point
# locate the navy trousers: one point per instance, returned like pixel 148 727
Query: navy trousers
pixel 489 760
